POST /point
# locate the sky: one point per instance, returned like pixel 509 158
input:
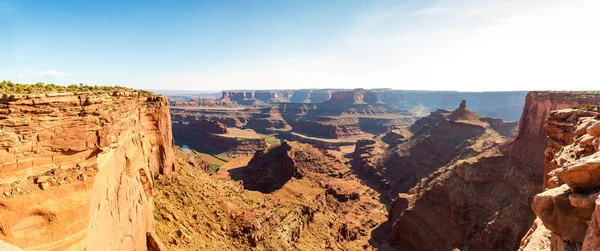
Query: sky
pixel 477 45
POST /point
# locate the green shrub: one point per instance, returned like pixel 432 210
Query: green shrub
pixel 590 107
pixel 214 167
pixel 575 107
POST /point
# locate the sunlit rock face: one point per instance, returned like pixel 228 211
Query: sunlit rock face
pixel 568 209
pixel 76 169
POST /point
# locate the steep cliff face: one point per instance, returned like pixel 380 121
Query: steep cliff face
pixel 483 202
pixel 567 211
pixel 76 169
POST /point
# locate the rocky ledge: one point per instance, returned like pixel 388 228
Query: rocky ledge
pixel 568 211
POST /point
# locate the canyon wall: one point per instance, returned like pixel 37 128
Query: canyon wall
pixel 567 216
pixel 76 169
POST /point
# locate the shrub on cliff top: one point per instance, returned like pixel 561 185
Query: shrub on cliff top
pixel 9 87
pixel 590 107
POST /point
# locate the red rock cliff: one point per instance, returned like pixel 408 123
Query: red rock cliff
pixel 77 169
pixel 568 212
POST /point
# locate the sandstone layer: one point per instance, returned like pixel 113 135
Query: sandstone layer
pixel 76 169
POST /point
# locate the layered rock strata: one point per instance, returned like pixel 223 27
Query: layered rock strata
pixel 568 208
pixel 76 169
pixel 214 137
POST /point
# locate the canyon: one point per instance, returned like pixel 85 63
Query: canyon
pixel 299 170
pixel 214 137
pixel 483 202
pixel 326 118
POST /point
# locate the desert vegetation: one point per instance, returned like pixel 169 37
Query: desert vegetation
pixel 9 87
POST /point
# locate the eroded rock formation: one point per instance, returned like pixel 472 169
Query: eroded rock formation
pixel 568 208
pixel 76 169
pixel 436 140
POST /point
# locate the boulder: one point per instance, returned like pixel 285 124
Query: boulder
pixel 537 239
pixel 555 209
pixel 582 128
pixel 582 174
pixel 594 129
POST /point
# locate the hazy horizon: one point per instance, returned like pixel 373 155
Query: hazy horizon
pixel 450 45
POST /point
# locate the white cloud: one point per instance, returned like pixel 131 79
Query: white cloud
pixel 44 75
pixel 452 45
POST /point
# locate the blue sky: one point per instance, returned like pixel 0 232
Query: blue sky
pixel 215 45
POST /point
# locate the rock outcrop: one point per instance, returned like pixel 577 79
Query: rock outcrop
pixel 354 97
pixel 268 97
pixel 237 96
pixel 76 169
pixel 243 98
pixel 269 170
pixel 310 96
pixel 568 207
